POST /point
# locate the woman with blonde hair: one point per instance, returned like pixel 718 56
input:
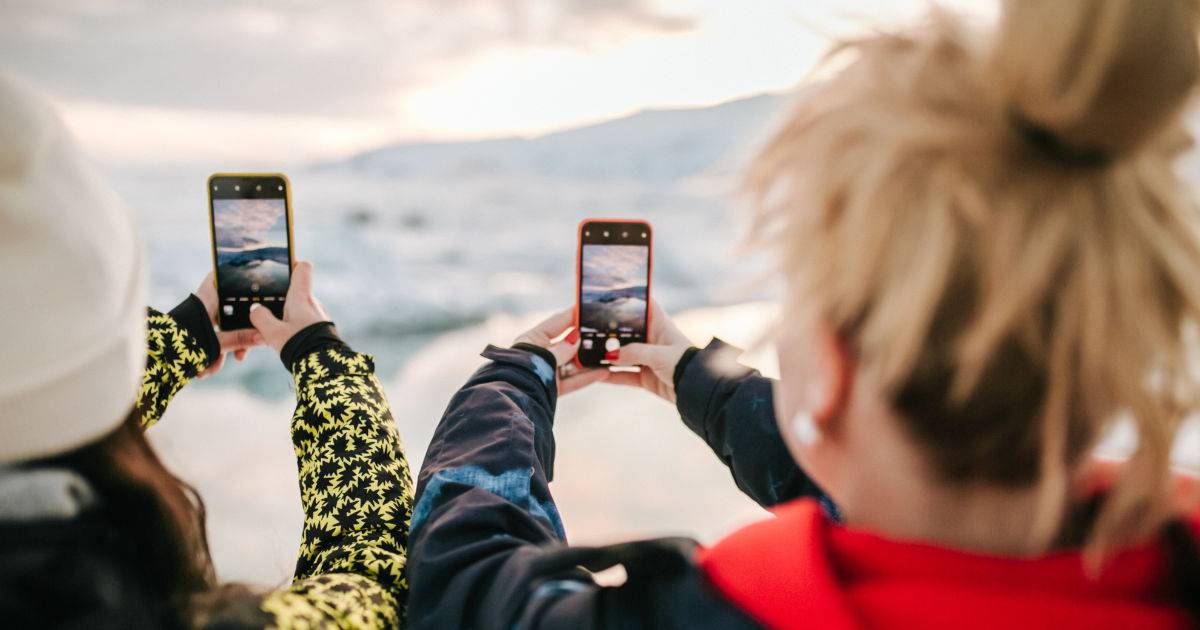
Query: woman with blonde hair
pixel 989 261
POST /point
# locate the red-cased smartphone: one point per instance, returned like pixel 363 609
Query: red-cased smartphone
pixel 612 297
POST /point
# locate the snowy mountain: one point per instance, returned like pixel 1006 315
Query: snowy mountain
pixel 654 145
pixel 243 257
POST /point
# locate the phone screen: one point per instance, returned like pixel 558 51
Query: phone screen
pixel 251 234
pixel 614 288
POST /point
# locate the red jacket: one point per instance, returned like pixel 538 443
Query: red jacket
pixel 800 570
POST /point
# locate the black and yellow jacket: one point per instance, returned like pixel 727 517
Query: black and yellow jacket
pixel 354 482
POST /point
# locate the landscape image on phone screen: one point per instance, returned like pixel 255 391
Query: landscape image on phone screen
pixel 613 294
pixel 252 247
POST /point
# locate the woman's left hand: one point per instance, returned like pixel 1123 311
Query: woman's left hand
pixel 236 341
pixel 549 335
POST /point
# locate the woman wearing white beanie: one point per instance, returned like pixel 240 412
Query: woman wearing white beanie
pixel 94 531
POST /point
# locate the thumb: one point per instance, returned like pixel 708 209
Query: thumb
pixel 239 339
pixel 264 320
pixel 644 354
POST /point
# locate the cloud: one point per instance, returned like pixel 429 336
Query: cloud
pixel 607 267
pixel 344 58
pixel 246 222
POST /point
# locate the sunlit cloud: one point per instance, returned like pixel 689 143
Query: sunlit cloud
pixel 608 267
pixel 348 58
pixel 270 81
pixel 248 223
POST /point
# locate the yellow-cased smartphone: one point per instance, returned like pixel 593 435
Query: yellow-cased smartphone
pixel 250 221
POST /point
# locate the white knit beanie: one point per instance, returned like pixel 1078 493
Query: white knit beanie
pixel 72 294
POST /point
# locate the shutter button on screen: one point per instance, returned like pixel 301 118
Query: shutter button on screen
pixel 611 345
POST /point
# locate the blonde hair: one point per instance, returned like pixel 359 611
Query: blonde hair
pixel 996 229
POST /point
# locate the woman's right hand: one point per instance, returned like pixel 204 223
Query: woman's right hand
pixel 300 310
pixel 657 358
pixel 238 342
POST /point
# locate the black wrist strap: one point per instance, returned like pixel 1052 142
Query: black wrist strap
pixel 313 338
pixel 191 315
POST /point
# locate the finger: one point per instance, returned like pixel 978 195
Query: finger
pixel 566 349
pixel 546 331
pixel 207 292
pixel 629 379
pixel 302 281
pixel 209 283
pixel 554 325
pixel 214 368
pixel 651 356
pixel 663 329
pixel 239 355
pixel 264 320
pixel 239 339
pixel 580 380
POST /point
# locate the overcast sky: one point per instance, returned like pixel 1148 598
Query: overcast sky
pixel 154 80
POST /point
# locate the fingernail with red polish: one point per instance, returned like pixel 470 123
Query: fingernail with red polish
pixel 573 336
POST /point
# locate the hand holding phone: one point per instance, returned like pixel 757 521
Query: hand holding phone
pixel 250 218
pixel 658 357
pixel 548 334
pixel 302 310
pixel 613 288
pixel 239 342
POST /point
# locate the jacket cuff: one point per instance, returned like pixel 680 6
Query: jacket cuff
pixel 528 359
pixel 191 316
pixel 544 353
pixel 681 366
pixel 701 378
pixel 313 338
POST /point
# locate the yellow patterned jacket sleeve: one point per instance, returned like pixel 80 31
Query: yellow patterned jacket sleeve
pixel 175 355
pixel 357 495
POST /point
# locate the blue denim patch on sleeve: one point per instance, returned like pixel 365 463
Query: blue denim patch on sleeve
pixel 512 486
pixel 524 359
pixel 544 370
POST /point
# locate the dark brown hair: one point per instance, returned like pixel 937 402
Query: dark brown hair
pixel 152 509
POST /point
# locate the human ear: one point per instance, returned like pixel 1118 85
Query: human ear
pixel 816 369
pixel 829 395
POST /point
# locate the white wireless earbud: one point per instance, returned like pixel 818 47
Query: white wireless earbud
pixel 804 428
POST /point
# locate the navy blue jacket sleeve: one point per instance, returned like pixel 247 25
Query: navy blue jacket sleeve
pixel 486 545
pixel 483 499
pixel 730 407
